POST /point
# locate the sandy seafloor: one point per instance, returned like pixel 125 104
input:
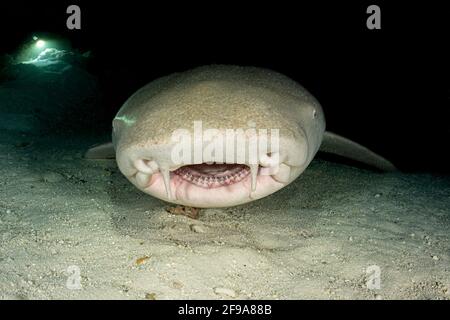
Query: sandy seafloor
pixel 312 240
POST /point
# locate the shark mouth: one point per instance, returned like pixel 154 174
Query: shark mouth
pixel 213 175
pixel 211 184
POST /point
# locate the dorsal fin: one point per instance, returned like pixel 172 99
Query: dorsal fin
pixel 101 151
pixel 336 144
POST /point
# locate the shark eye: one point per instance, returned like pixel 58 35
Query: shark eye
pixel 116 124
pixel 314 113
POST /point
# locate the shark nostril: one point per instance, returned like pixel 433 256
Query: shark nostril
pixel 270 159
pixel 146 166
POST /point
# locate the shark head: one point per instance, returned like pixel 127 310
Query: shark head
pixel 217 136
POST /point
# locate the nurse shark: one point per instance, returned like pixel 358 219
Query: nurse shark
pixel 221 136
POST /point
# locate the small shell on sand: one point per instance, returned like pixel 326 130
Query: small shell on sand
pixel 52 177
pixel 189 212
pixel 197 228
pixel 142 260
pixel 150 296
pixel 225 291
pixel 177 285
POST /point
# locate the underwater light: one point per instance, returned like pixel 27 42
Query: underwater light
pixel 40 44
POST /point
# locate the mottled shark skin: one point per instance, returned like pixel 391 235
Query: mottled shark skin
pixel 221 97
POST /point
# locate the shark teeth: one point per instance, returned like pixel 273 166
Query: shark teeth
pixel 205 177
pixel 269 164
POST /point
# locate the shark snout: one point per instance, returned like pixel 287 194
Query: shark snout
pixel 207 181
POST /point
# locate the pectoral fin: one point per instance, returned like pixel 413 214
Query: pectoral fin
pixel 335 144
pixel 101 151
